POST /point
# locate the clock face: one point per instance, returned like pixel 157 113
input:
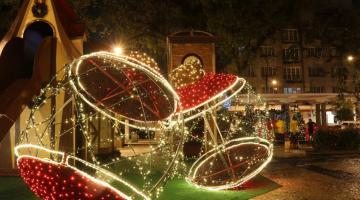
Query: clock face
pixel 39 9
pixel 191 59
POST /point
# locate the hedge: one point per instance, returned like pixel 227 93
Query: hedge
pixel 337 139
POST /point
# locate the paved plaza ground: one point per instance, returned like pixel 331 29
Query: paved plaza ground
pixel 294 175
pixel 317 176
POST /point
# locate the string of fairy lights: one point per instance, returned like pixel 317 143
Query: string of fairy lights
pixel 186 74
pixel 204 97
pixel 201 172
pixel 82 113
pixel 99 97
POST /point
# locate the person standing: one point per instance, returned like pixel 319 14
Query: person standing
pixel 311 125
pixel 280 130
pixel 294 130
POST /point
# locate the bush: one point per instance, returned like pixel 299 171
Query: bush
pixel 344 110
pixel 337 139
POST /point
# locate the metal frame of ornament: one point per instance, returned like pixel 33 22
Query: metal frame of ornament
pixel 177 115
pixel 147 125
pixel 168 123
pixel 65 161
pixel 238 142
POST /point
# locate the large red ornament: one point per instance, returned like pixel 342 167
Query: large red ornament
pixel 49 180
pixel 197 93
pixel 121 85
pixel 207 93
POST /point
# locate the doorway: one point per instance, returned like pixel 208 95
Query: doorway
pixel 34 35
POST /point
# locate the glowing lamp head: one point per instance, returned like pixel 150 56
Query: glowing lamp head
pixel 274 82
pixel 350 58
pixel 118 50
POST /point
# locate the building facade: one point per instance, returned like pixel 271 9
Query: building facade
pixel 305 76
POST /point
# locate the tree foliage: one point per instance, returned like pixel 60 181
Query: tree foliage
pixel 344 110
pixel 241 26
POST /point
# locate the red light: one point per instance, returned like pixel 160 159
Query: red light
pixel 49 181
pixel 204 89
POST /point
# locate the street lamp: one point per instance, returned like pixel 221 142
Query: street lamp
pixel 274 82
pixel 350 58
pixel 117 50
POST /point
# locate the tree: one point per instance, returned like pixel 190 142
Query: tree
pixel 344 110
pixel 241 26
pixel 142 25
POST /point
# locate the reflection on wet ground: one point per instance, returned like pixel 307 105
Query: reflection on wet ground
pixel 319 177
pixel 339 174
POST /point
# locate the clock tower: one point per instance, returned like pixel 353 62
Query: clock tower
pixel 185 46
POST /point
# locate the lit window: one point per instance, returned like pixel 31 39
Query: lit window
pixel 290 35
pixel 289 90
pixel 250 72
pixel 314 52
pixel 293 73
pixel 267 51
pixel 268 71
pixel 291 54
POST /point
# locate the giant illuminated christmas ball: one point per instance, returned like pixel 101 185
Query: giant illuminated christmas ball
pixel 236 141
pixel 106 127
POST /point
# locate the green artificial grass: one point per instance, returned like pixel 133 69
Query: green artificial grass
pixel 180 190
pixel 15 189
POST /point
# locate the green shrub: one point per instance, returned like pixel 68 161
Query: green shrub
pixel 349 138
pixel 337 139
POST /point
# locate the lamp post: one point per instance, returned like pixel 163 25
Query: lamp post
pixel 351 59
pixel 274 82
pixel 266 83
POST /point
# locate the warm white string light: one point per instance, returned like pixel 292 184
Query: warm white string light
pixel 191 81
pixel 167 150
pixel 222 88
pixel 223 150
